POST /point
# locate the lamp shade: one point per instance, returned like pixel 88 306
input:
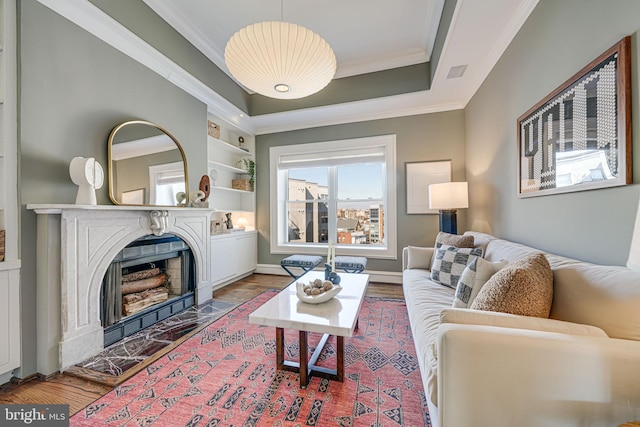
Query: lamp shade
pixel 280 59
pixel 449 195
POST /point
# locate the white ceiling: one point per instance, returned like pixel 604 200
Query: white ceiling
pixel 366 35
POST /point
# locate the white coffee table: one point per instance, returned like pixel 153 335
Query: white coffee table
pixel 338 316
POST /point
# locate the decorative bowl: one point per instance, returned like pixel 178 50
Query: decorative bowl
pixel 316 299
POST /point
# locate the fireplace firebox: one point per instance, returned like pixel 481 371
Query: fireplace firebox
pixel 150 280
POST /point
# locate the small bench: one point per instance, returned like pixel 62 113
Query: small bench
pixel 305 262
pixel 351 264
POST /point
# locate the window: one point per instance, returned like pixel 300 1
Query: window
pixel 166 181
pixel 338 191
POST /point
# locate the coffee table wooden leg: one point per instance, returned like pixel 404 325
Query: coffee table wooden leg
pixel 280 348
pixel 340 356
pixel 306 366
pixel 304 359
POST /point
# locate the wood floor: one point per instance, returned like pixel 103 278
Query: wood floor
pixel 78 393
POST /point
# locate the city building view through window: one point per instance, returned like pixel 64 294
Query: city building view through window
pixel 343 204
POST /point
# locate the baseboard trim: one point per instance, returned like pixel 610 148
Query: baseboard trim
pixel 230 280
pixel 391 277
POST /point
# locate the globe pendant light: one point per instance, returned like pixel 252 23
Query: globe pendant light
pixel 280 60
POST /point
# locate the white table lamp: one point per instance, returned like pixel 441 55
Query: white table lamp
pixel 447 197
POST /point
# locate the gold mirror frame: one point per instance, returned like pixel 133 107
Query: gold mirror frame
pixel 143 191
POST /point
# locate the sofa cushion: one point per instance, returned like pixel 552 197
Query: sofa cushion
pixel 480 240
pixel 474 276
pixel 600 295
pixel 523 287
pixel 506 320
pixel 499 249
pixel 425 299
pixel 464 241
pixel 449 262
pixel 418 257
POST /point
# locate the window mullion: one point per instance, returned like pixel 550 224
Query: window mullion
pixel 333 204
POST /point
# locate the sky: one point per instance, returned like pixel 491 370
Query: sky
pixel 360 181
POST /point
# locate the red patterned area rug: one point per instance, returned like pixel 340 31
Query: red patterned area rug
pixel 226 376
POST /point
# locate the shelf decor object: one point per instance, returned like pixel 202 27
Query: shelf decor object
pixel 280 59
pixel 322 296
pixel 419 175
pixel 213 130
pixel 88 175
pixel 579 136
pixel 205 187
pixel 241 184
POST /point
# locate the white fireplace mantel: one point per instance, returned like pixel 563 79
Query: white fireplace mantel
pixel 76 244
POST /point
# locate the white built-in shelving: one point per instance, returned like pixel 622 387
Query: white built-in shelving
pixel 233 254
pixel 225 164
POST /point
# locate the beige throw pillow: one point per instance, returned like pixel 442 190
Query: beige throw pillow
pixel 453 240
pixel 473 278
pixel 523 287
pixel 418 257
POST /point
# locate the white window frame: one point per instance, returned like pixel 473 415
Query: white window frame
pixel 278 199
pixel 156 170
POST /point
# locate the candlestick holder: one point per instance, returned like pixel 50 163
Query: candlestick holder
pixel 331 276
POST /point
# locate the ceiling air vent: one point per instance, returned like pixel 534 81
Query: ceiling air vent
pixel 456 72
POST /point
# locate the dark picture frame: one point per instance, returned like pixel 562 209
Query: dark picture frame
pixel 579 136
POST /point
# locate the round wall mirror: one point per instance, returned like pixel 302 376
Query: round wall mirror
pixel 146 166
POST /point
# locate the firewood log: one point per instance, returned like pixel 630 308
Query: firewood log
pixel 144 284
pixel 134 303
pixel 138 275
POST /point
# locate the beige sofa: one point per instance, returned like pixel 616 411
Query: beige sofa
pixel 580 367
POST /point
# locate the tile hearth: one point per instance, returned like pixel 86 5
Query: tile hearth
pixel 132 351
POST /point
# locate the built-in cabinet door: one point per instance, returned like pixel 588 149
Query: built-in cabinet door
pixel 9 320
pixel 222 260
pixel 233 256
pixel 247 250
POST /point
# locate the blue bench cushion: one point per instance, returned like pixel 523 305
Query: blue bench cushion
pixel 301 261
pixel 351 263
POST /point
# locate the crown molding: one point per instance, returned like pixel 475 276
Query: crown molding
pixel 89 17
pixel 501 44
pixel 96 22
pixel 190 32
pixel 432 26
pixel 403 59
pixel 360 111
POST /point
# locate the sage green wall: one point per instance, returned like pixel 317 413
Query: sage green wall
pixel 437 136
pixel 74 90
pixel 558 39
pixel 141 20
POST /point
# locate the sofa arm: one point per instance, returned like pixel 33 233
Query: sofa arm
pixel 417 257
pixel 505 320
pixel 495 376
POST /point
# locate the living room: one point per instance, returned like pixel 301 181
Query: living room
pixel 75 87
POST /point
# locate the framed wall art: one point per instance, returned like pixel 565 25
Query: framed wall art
pixel 579 136
pixel 133 197
pixel 419 175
